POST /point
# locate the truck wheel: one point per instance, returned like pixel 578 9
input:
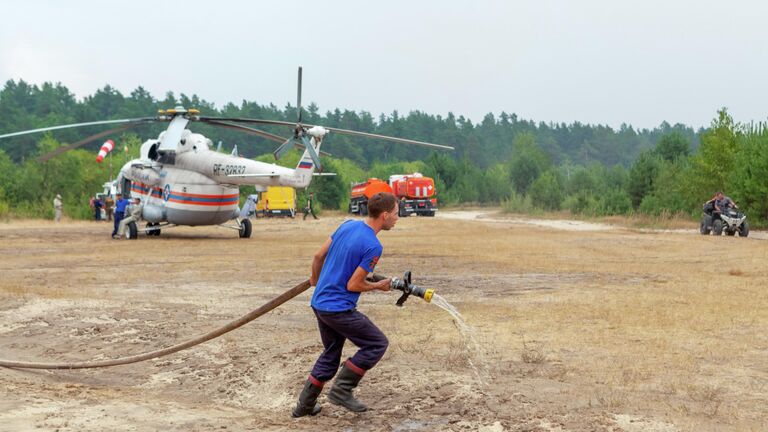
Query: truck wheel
pixel 245 228
pixel 717 227
pixel 744 229
pixel 706 225
pixel 363 209
pixel 430 213
pixel 133 231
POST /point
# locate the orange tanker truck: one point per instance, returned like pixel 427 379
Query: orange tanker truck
pixel 415 192
pixel 358 203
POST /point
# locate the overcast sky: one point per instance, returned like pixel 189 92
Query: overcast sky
pixel 608 62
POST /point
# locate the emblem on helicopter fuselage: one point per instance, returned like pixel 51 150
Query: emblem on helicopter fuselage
pixel 166 192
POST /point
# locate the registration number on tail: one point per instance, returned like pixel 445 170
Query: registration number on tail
pixel 225 170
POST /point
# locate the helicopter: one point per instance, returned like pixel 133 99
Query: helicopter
pixel 181 181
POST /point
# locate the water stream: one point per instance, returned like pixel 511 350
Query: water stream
pixel 475 355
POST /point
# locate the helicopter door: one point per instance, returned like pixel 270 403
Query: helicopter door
pixel 126 188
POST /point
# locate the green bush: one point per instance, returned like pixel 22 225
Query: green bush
pixel 517 203
pixel 580 203
pixel 615 202
pixel 547 191
pixel 5 210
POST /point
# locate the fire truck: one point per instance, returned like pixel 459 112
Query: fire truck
pixel 415 192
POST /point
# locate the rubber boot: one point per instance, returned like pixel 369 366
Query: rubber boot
pixel 307 399
pixel 341 392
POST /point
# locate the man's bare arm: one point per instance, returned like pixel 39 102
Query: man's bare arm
pixel 358 283
pixel 318 260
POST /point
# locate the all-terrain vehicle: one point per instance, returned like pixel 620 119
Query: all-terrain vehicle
pixel 729 220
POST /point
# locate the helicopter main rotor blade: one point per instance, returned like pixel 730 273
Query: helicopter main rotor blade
pixel 82 142
pixel 246 129
pixel 250 120
pixel 172 136
pixel 76 125
pixel 389 138
pixel 335 130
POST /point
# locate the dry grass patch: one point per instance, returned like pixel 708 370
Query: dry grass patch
pixel 618 320
pixel 533 353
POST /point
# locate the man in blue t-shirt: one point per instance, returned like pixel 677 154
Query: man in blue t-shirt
pixel 339 271
pixel 120 205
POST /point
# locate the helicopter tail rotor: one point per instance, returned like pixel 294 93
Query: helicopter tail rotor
pixel 298 99
pixel 299 138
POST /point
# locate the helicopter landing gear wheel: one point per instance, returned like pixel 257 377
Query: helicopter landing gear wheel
pixel 150 230
pixel 133 231
pixel 245 228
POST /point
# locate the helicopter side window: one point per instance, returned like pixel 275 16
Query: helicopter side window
pixel 167 158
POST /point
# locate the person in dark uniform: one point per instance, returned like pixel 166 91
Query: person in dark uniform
pixel 339 271
pixel 97 205
pixel 120 205
pixel 309 208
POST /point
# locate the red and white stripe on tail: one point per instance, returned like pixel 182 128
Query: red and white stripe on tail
pixel 105 148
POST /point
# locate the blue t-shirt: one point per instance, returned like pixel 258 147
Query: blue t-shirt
pixel 353 245
pixel 121 204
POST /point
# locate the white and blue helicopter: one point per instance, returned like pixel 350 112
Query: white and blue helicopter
pixel 182 181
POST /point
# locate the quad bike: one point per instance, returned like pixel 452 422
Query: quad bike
pixel 728 220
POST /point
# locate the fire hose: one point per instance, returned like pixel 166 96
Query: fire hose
pixel 399 284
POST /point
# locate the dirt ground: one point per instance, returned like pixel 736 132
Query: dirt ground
pixel 595 328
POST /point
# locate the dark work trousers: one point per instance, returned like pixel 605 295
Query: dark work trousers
pixel 118 218
pixel 335 329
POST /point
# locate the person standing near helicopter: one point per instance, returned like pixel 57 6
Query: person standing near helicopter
pixel 339 271
pixel 120 206
pixel 57 208
pixel 309 209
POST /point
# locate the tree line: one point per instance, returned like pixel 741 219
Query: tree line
pixel 502 160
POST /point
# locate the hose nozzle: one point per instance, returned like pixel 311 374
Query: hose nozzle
pixel 409 289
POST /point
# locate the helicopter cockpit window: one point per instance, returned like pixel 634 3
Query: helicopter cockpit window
pixel 153 152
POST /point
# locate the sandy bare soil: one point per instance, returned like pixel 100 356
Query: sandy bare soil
pixel 607 329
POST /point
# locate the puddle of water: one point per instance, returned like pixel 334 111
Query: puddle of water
pixel 469 340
